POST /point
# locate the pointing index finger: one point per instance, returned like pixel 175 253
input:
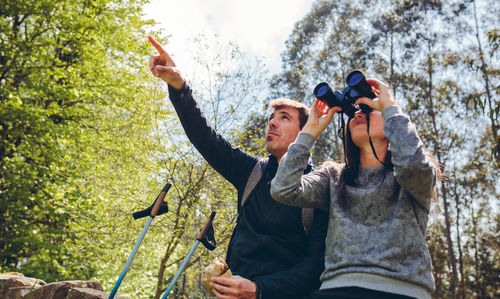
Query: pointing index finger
pixel 156 45
pixel 160 49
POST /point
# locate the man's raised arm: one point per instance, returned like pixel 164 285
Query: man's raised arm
pixel 231 162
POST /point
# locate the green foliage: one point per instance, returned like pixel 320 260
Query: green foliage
pixel 66 65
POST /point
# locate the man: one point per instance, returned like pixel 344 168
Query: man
pixel 269 252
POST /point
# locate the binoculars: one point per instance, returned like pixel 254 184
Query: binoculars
pixel 357 87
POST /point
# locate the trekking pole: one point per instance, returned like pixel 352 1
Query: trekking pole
pixel 206 237
pixel 157 208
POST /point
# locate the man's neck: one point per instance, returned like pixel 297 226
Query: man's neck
pixel 278 156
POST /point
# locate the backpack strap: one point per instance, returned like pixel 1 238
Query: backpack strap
pixel 253 180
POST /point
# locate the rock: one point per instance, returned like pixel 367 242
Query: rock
pixel 60 289
pixel 13 273
pixel 17 293
pixel 86 293
pixel 18 287
pixel 8 281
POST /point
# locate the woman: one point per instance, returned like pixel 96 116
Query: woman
pixel 375 247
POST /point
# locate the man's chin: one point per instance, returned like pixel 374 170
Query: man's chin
pixel 269 148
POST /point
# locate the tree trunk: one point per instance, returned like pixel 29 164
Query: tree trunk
pixel 444 191
pixel 461 290
pixel 484 71
pixel 477 274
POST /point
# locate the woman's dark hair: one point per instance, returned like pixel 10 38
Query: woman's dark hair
pixel 349 174
pixel 350 171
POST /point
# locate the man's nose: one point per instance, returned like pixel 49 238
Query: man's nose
pixel 273 123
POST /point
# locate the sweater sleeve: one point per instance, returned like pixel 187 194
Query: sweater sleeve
pixel 413 169
pixel 291 187
pixel 231 162
pixel 303 278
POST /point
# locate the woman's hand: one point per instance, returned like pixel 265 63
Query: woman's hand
pixel 320 116
pixel 384 98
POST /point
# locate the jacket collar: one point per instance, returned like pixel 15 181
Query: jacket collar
pixel 272 165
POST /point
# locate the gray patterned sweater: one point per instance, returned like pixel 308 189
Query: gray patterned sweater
pixel 379 242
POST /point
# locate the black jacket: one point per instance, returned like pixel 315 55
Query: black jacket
pixel 268 245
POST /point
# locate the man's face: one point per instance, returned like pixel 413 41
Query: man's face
pixel 282 129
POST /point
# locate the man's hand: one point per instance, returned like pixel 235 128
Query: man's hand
pixel 234 287
pixel 320 117
pixel 163 66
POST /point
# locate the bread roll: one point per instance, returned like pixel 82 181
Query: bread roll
pixel 217 268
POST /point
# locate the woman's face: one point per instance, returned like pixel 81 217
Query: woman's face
pixel 357 126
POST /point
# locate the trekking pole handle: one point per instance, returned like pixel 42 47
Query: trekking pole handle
pixel 207 225
pixel 160 199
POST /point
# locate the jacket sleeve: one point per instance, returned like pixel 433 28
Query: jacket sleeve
pixel 292 187
pixel 231 162
pixel 413 169
pixel 303 278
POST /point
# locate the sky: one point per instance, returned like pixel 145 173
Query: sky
pixel 259 27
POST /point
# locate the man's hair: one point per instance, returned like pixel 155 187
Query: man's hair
pixel 301 108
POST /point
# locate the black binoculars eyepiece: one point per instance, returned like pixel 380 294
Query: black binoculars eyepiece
pixel 357 87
